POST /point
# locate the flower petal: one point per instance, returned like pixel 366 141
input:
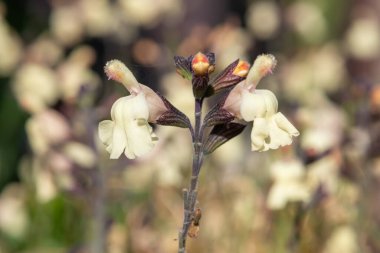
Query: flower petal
pixel 278 137
pixel 139 137
pixel 105 130
pixel 260 103
pixel 258 135
pixel 285 124
pixel 119 141
pixel 281 131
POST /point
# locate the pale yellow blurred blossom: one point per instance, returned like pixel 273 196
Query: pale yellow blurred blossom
pixel 318 140
pixel 75 73
pixel 271 129
pixel 10 48
pixel 46 189
pixel 288 183
pixel 35 87
pixel 46 129
pixel 324 127
pixel 317 72
pixel 263 19
pixel 307 20
pixel 229 42
pixel 129 130
pixel 324 172
pixel 66 24
pixel 79 154
pixel 331 68
pixel 343 239
pixel 13 215
pixel 45 51
pixel 149 12
pixel 59 162
pixel 363 38
pixel 97 16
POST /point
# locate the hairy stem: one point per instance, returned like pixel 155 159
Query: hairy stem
pixel 190 195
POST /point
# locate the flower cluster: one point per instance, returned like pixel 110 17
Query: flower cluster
pixel 271 129
pixel 129 130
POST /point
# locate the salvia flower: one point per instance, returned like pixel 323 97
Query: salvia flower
pixel 200 64
pixel 271 129
pixel 128 130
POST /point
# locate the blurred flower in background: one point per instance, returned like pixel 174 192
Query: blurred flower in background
pixel 59 192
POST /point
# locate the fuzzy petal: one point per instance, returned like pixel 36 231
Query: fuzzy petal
pixel 258 104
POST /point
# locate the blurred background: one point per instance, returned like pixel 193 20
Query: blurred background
pixel 59 192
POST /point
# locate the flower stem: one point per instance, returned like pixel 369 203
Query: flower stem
pixel 190 195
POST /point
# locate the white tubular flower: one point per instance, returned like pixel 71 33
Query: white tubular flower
pixel 128 130
pixel 271 129
pixel 263 65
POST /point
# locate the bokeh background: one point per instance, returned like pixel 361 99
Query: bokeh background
pixel 59 192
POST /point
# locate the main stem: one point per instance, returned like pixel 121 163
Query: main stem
pixel 190 195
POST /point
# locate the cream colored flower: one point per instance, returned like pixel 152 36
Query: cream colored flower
pixel 271 129
pixel 129 130
pixel 13 215
pixel 288 184
pixel 35 87
pixel 272 132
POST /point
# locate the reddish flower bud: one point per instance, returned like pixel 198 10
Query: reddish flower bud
pixel 241 69
pixel 200 64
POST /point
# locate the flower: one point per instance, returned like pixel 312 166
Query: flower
pixel 200 64
pixel 128 130
pixel 289 184
pixel 271 129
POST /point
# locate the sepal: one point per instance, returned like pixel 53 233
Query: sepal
pixel 200 85
pixel 230 76
pixel 173 116
pixel 217 115
pixel 183 66
pixel 220 134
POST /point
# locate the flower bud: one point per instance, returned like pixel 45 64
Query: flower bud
pixel 230 76
pixel 241 69
pixel 263 65
pixel 200 64
pixel 117 71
